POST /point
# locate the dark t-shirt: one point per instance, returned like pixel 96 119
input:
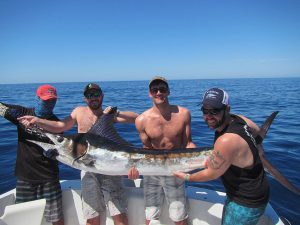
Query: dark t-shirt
pixel 246 186
pixel 31 164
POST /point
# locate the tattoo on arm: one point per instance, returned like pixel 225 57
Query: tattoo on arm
pixel 216 160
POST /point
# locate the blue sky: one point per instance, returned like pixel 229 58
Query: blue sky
pixel 95 40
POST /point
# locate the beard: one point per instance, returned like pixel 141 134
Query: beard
pixel 95 104
pixel 215 123
pixel 214 126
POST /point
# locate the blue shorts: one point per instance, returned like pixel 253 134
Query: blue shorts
pixel 51 191
pixel 155 188
pixel 236 214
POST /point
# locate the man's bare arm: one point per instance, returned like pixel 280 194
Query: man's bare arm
pixel 187 134
pixel 140 126
pixel 217 164
pixel 51 126
pixel 126 117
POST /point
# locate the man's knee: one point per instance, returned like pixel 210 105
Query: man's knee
pixel 152 213
pixel 177 211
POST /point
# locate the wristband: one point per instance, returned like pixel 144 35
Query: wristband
pixel 186 177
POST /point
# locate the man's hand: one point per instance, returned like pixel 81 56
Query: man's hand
pixel 28 121
pixel 133 173
pixel 182 176
pixel 110 110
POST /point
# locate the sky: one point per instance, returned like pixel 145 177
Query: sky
pixel 115 40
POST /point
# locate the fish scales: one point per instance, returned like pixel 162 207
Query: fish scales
pixel 97 154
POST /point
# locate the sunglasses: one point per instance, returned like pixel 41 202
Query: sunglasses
pixel 212 112
pixel 93 95
pixel 162 90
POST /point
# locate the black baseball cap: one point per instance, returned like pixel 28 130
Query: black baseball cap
pixel 216 98
pixel 91 86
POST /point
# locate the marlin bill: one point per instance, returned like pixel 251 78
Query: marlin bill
pixel 96 154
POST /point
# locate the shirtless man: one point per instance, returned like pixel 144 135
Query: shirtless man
pixel 164 126
pixel 92 119
pixel 235 159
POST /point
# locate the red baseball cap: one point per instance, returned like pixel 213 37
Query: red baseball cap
pixel 46 92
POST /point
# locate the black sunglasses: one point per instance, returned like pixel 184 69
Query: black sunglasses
pixel 212 112
pixel 160 89
pixel 91 95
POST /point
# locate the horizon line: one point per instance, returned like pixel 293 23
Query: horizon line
pixel 174 79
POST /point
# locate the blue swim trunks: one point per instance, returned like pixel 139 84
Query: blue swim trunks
pixel 236 214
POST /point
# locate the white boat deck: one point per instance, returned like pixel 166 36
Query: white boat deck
pixel 205 206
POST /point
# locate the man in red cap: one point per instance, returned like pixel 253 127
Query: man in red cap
pixel 98 191
pixel 37 175
pixel 46 92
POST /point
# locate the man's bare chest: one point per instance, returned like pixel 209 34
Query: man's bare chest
pixel 159 127
pixel 85 122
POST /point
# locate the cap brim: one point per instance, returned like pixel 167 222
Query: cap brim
pixel 92 89
pixel 48 97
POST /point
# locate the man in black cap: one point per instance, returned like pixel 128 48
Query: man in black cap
pixel 235 159
pixel 98 190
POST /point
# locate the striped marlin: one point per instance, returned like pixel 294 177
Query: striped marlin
pixel 97 154
pixel 93 153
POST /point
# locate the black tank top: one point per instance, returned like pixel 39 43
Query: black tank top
pixel 246 186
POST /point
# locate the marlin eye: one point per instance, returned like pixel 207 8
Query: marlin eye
pixel 60 139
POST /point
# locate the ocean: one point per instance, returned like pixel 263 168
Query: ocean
pixel 254 98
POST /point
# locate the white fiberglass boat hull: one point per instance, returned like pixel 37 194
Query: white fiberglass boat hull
pixel 205 206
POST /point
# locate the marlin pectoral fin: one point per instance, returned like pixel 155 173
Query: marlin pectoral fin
pixel 267 165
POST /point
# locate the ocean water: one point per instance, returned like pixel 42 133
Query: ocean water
pixel 254 98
